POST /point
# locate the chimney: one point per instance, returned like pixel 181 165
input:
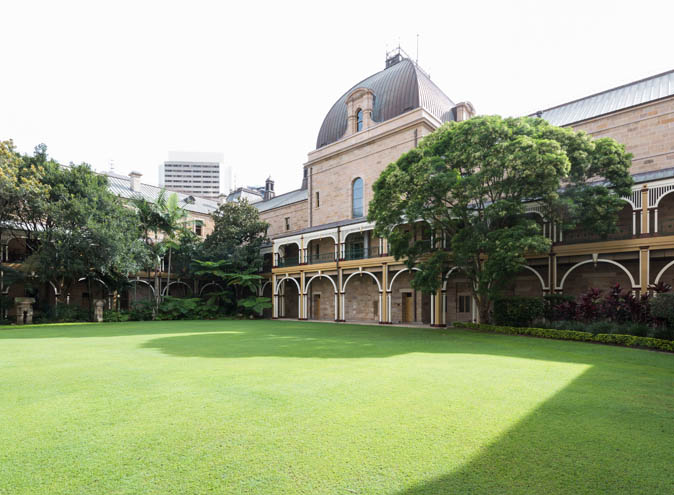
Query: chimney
pixel 268 189
pixel 135 180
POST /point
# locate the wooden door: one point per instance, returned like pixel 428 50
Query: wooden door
pixel 408 307
pixel 317 306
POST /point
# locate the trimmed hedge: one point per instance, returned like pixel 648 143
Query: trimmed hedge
pixel 518 311
pixel 549 333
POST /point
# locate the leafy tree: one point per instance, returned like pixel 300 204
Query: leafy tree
pixel 244 285
pixel 82 229
pixel 173 218
pixel 469 182
pixel 237 237
pixel 151 221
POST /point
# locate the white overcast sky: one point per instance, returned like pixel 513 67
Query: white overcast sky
pixel 130 81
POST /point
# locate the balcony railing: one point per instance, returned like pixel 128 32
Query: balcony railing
pixel 583 237
pixel 313 259
pixel 288 261
pixel 351 253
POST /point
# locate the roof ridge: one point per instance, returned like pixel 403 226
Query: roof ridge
pixel 604 91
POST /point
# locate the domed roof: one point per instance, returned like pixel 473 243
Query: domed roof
pixel 397 89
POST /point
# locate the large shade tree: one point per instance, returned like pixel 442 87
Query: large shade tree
pixel 238 234
pixel 77 228
pixel 469 183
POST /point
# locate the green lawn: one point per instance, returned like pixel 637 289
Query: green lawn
pixel 275 408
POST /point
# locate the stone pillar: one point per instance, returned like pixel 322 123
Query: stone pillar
pixel 437 297
pixel 384 317
pixel 274 298
pixel 99 304
pixel 644 269
pixel 24 310
pixel 644 211
pixel 340 285
pixel 302 309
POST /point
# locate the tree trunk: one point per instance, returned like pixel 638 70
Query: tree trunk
pixel 168 274
pixel 482 309
pixel 91 300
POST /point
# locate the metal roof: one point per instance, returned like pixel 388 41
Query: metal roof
pixel 635 93
pixel 121 186
pixel 397 89
pixel 282 200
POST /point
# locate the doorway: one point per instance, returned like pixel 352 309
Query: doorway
pixel 408 307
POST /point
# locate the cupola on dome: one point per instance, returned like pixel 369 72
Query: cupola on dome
pixel 402 86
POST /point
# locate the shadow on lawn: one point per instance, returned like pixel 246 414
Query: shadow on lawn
pixel 596 436
pixel 128 328
pixel 608 431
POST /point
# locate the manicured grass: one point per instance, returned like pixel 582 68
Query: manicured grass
pixel 265 407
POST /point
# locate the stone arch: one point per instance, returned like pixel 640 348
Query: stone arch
pixel 449 272
pixel 320 275
pixel 180 282
pixel 405 304
pixel 661 197
pixel 390 285
pixel 362 303
pixel 538 276
pixel 662 272
pixel 278 296
pixel 580 263
pixel 260 290
pixel 310 307
pixel 201 291
pixel 360 273
pixel 141 281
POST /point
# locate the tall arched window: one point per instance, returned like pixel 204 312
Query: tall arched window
pixel 357 198
pixel 359 120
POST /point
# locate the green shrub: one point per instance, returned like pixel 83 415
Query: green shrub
pixel 615 339
pixel 142 311
pixel 662 307
pixel 176 308
pixel 552 302
pixel 110 315
pixel 61 313
pixel 518 311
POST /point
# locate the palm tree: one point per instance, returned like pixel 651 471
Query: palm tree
pixel 151 220
pixel 173 217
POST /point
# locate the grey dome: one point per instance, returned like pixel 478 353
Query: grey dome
pixel 397 89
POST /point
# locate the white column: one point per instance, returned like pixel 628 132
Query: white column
pixel 634 222
pixel 655 226
pixel 336 307
pixel 432 309
pixel 388 305
pixel 648 221
pixel 380 303
pixel 444 307
pixel 341 306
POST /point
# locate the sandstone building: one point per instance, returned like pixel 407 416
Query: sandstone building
pixel 326 264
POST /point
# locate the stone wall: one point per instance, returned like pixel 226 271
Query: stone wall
pixel 421 311
pixel 296 212
pixel 332 177
pixel 361 298
pixel 647 132
pixel 323 306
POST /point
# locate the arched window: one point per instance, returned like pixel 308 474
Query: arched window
pixel 357 198
pixel 359 120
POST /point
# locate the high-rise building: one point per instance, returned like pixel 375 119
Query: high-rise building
pixel 196 173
